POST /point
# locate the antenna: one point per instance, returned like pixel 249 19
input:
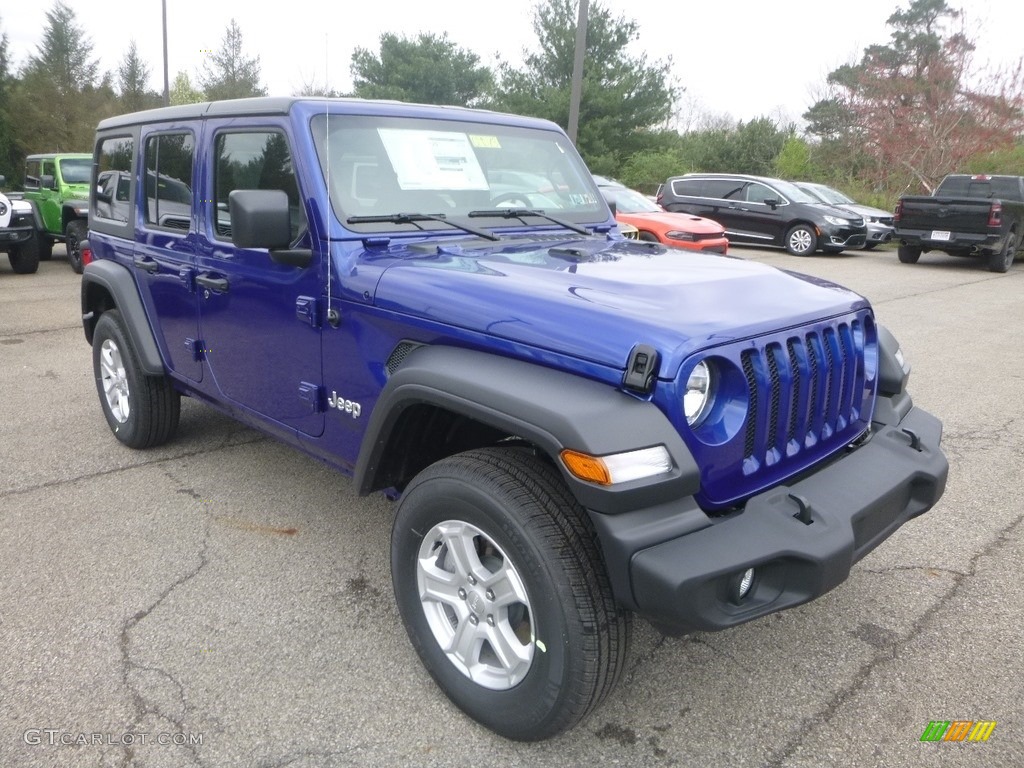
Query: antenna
pixel 326 212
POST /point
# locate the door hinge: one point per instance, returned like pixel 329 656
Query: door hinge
pixel 307 309
pixel 313 395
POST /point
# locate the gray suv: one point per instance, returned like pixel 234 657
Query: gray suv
pixel 764 211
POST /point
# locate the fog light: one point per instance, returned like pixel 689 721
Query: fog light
pixel 746 582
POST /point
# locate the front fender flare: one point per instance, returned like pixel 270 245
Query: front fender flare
pixel 549 408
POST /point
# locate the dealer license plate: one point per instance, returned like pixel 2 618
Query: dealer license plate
pixel 940 234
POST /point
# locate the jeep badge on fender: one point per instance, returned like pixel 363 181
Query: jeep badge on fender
pixel 577 427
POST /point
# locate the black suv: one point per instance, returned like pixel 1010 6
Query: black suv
pixel 754 209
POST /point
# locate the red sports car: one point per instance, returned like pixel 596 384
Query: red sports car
pixel 682 230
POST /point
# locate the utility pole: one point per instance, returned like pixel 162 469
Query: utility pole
pixel 577 70
pixel 167 85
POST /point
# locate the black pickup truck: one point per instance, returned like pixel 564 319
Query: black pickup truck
pixel 966 216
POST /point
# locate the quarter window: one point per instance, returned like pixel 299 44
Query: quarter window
pixel 114 165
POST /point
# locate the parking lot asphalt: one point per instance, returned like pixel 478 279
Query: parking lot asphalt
pixel 226 601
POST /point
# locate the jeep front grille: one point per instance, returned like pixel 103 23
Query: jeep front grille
pixel 807 394
pixel 802 391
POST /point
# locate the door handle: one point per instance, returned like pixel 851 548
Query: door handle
pixel 215 284
pixel 147 264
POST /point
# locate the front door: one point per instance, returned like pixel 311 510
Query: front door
pixel 260 320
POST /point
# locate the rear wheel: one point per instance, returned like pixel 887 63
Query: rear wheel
pixel 24 257
pixel 73 237
pixel 142 411
pixel 801 240
pixel 1002 261
pixel 503 591
pixel 909 254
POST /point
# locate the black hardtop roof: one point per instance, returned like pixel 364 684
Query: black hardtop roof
pixel 260 105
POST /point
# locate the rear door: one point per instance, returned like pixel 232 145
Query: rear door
pixel 164 257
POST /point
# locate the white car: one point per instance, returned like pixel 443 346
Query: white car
pixel 879 222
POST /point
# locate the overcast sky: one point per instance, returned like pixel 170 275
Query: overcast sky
pixel 741 58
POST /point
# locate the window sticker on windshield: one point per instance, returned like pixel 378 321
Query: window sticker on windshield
pixel 484 142
pixel 582 200
pixel 432 159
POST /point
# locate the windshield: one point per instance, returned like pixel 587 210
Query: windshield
pixel 829 195
pixel 76 170
pixel 629 201
pixel 381 166
pixel 793 193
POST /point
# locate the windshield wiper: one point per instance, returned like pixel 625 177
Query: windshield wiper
pixel 413 218
pixel 521 213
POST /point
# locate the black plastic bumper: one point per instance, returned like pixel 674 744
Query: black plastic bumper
pixel 690 583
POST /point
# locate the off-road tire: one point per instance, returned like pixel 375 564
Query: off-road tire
pixel 465 508
pixel 45 248
pixel 142 411
pixel 24 257
pixel 77 231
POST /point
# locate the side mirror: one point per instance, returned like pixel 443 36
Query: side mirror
pixel 611 204
pixel 260 219
pixel 47 181
pixel 772 203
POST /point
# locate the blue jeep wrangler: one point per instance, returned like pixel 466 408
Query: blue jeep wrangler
pixel 577 427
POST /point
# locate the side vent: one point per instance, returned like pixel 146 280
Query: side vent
pixel 398 355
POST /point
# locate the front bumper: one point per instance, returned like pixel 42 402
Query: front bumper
pixel 689 583
pixel 845 237
pixel 16 234
pixel 879 233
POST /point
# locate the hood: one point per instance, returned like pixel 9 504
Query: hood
pixel 595 299
pixel 666 220
pixel 869 212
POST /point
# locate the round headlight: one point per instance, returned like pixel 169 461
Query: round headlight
pixel 698 396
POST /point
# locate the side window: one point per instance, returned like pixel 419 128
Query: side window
pixel 114 165
pixel 687 187
pixel 32 172
pixel 254 160
pixel 724 189
pixel 169 180
pixel 758 193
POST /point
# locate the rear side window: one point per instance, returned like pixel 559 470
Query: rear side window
pixel 169 180
pixel 724 189
pixel 688 187
pixel 254 160
pixel 114 165
pixel 32 172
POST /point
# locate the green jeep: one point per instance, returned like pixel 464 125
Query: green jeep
pixel 58 186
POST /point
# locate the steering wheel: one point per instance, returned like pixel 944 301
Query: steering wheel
pixel 511 200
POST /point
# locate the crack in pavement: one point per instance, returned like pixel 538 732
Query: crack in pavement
pixel 860 678
pixel 131 668
pixel 223 444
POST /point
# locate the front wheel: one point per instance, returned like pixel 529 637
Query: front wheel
pixel 73 237
pixel 142 411
pixel 801 240
pixel 1003 260
pixel 869 245
pixel 502 589
pixel 909 254
pixel 24 257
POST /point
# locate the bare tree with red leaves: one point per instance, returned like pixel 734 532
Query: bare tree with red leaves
pixel 916 109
